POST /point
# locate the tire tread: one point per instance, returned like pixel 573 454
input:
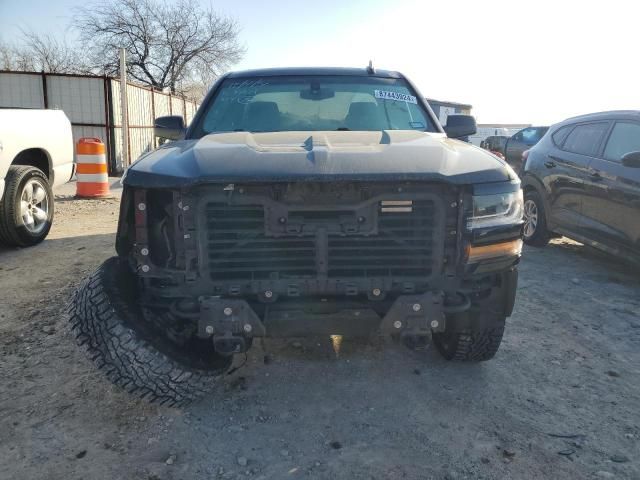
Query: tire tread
pixel 97 316
pixel 471 345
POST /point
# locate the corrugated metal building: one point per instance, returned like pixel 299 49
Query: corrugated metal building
pixel 92 104
pixel 443 109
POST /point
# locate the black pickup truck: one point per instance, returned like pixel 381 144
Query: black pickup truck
pixel 301 202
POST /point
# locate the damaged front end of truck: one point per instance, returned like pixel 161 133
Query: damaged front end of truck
pixel 230 262
pixel 302 202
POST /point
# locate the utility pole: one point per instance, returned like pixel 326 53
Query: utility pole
pixel 124 117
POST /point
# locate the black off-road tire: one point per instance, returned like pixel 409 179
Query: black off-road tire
pixel 475 334
pixel 541 235
pixel 132 351
pixel 470 345
pixel 13 231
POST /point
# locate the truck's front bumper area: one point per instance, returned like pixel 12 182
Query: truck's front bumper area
pixel 229 322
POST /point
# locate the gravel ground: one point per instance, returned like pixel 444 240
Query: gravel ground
pixel 561 399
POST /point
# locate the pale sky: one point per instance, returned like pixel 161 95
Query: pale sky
pixel 516 62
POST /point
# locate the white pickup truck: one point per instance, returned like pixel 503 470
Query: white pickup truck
pixel 36 153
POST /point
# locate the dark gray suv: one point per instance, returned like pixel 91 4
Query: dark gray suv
pixel 582 180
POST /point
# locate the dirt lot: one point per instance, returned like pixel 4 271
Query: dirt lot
pixel 561 400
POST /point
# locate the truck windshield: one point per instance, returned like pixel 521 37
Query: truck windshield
pixel 312 103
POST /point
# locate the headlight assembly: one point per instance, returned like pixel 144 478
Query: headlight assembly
pixel 496 210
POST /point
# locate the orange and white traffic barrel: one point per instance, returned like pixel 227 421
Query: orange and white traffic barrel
pixel 91 171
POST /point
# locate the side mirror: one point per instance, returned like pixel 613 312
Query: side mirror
pixel 170 127
pixel 631 159
pixel 460 126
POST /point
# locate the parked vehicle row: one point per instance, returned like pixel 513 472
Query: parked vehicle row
pixel 582 180
pixel 513 148
pixel 495 144
pixel 521 142
pixel 373 205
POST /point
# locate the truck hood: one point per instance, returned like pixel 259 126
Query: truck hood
pixel 317 156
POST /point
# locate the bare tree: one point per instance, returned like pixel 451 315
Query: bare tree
pixel 197 86
pixel 7 57
pixel 46 53
pixel 41 53
pixel 167 44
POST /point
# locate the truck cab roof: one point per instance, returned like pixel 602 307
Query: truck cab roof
pixel 277 72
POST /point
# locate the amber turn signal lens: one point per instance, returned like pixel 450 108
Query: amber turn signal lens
pixel 484 252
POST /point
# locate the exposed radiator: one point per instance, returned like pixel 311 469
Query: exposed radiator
pixel 403 246
pixel 238 248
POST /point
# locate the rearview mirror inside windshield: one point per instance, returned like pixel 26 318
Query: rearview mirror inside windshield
pixel 317 93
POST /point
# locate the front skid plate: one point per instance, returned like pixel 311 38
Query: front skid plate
pixel 409 314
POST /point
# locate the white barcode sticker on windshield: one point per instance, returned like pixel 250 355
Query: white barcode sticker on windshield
pixel 398 97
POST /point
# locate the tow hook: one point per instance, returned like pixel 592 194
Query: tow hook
pixel 416 315
pixel 229 323
pixel 416 342
pixel 228 345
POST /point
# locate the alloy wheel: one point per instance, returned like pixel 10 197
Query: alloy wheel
pixel 34 206
pixel 530 218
